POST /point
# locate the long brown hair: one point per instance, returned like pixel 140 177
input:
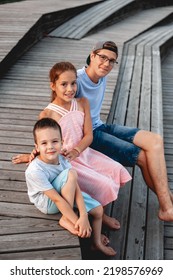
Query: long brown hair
pixel 57 70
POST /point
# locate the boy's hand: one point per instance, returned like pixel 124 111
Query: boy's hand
pixel 83 226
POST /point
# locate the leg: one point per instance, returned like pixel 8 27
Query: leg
pixel 97 214
pixel 66 184
pixel 116 142
pixel 153 166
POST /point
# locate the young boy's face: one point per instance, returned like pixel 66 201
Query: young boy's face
pixel 101 67
pixel 49 144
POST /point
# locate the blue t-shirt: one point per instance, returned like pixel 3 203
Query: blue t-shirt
pixel 39 176
pixel 93 92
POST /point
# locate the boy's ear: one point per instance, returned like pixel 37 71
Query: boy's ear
pixel 36 147
pixel 92 56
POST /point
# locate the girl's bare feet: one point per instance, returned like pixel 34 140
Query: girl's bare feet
pixel 107 250
pixel 65 223
pixel 104 239
pixel 110 222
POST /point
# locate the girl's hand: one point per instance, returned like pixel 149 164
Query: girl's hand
pixel 70 155
pixel 33 154
pixel 83 226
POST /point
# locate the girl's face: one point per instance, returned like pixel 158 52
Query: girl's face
pixel 66 86
pixel 49 144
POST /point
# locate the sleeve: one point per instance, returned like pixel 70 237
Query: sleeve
pixel 37 181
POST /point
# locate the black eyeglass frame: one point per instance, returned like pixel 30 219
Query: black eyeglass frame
pixel 112 62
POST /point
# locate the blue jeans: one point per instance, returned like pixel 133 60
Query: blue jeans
pixel 116 142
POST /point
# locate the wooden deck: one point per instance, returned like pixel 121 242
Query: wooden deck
pixel 24 91
pixel 167 85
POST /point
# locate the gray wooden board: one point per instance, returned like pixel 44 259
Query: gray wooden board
pixel 53 254
pixel 121 212
pixel 13 225
pixel 167 85
pixel 13 185
pixel 13 197
pixel 24 210
pixel 37 241
pixel 135 239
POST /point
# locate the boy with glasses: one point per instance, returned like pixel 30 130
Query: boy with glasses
pixel 129 146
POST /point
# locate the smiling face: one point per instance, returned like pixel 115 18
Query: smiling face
pixel 65 87
pixel 101 63
pixel 49 144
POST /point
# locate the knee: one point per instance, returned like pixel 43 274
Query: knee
pixel 72 174
pixel 157 142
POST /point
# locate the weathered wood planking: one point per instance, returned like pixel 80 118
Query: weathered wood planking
pixel 142 86
pixel 23 82
pixel 167 85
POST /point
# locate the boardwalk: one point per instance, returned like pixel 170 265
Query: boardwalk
pixel 24 91
pixel 167 82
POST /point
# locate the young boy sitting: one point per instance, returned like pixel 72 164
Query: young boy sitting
pixel 53 187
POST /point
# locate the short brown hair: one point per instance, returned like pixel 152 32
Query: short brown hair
pixel 46 123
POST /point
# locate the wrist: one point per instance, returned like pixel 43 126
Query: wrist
pixel 77 150
pixel 83 214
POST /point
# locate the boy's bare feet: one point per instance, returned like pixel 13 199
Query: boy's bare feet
pixel 110 222
pixel 22 158
pixel 65 223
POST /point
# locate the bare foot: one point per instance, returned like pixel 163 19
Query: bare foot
pixel 110 222
pixel 104 239
pixel 22 158
pixel 107 250
pixel 65 223
pixel 166 216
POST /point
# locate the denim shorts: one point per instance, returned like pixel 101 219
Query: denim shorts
pixel 116 142
pixel 58 183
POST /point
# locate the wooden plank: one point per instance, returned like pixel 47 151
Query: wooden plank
pixel 13 185
pixel 53 254
pixel 120 210
pixel 167 83
pixel 24 210
pixel 13 197
pixel 36 241
pixel 13 225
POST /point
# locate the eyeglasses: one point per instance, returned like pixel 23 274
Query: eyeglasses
pixel 104 58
